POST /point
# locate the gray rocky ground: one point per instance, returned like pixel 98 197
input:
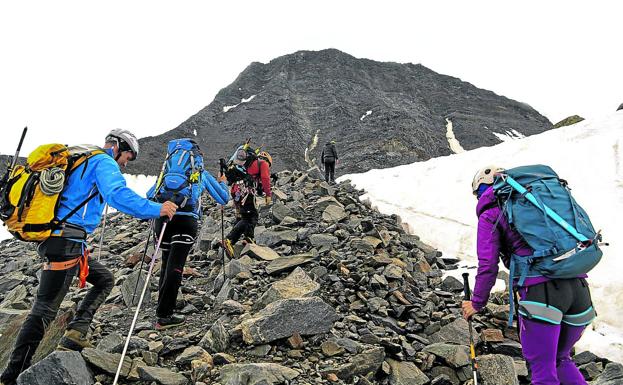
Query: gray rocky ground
pixel 332 293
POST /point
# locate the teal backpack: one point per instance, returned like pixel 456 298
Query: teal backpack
pixel 538 204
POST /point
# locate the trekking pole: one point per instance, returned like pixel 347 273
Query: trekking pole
pixel 151 230
pixel 223 236
pixel 472 350
pixel 99 252
pixel 140 301
pixel 15 157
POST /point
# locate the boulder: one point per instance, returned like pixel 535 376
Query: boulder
pixel 274 238
pixel 161 376
pixel 58 368
pixel 454 332
pixel 334 214
pixel 496 369
pixel 107 362
pixel 296 285
pixel 406 373
pixel 130 284
pixel 612 375
pixel 256 374
pixel 259 252
pixel 283 318
pixel 286 263
pixel 453 355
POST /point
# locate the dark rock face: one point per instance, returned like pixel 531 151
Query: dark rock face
pixel 296 103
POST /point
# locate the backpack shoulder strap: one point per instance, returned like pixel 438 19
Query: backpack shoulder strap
pixel 546 210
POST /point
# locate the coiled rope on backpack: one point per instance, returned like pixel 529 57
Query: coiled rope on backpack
pixel 52 180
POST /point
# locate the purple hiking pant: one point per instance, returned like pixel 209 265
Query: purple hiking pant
pixel 547 350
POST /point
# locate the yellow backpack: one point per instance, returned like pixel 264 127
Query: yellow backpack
pixel 31 195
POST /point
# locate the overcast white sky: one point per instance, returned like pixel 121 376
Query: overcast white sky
pixel 72 70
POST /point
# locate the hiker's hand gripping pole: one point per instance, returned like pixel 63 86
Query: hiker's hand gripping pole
pixel 472 350
pixel 140 301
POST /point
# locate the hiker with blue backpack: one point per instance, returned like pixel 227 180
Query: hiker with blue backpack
pixel 182 181
pixel 528 218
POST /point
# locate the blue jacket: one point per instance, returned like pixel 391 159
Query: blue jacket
pixel 218 191
pixel 101 173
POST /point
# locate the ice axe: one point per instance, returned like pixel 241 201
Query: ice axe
pixel 472 350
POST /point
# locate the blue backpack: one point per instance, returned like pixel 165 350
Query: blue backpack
pixel 181 175
pixel 538 204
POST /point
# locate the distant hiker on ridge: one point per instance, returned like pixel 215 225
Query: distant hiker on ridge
pixel 182 181
pixel 329 159
pixel 66 253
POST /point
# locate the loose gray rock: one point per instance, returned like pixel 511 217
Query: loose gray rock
pixel 272 238
pixel 283 318
pixel 193 353
pixel 455 332
pixel 107 362
pixel 319 240
pixel 406 373
pixel 366 362
pixel 496 369
pixel 256 374
pixel 286 263
pixel 66 368
pixel 259 252
pixel 16 295
pixel 127 289
pixel 612 375
pixel 296 285
pixel 161 376
pixel 216 340
pixel 11 281
pixel 334 214
pixel 454 355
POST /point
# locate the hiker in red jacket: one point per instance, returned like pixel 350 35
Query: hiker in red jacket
pixel 256 181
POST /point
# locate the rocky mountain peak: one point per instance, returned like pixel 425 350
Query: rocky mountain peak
pixel 381 114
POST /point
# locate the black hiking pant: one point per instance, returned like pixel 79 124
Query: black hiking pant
pixel 329 171
pixel 246 221
pixel 178 239
pixel 53 286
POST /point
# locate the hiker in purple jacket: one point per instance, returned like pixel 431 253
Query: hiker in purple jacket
pixel 552 313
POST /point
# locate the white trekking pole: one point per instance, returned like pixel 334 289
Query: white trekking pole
pixel 140 301
pixel 99 252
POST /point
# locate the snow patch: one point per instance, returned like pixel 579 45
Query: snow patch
pixel 227 108
pixel 434 199
pixel 310 160
pixel 195 132
pixel 455 146
pixel 368 113
pixel 509 135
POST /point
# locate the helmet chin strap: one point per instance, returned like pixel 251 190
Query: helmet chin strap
pixel 118 152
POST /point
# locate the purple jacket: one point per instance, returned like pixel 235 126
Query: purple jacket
pixel 494 242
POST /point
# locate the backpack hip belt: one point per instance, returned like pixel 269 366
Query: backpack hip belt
pixel 64 265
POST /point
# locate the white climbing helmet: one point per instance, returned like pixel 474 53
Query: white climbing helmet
pixel 485 175
pixel 126 140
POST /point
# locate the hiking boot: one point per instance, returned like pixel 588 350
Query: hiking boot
pixel 74 340
pixel 171 321
pixel 248 240
pixel 229 248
